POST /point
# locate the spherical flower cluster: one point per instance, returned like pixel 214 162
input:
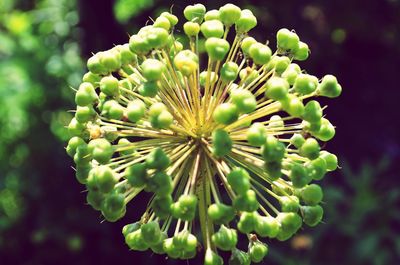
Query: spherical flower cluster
pixel 226 142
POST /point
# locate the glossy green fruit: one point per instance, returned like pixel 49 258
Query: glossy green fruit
pixel 305 84
pixel 289 203
pixel 135 110
pixel 246 22
pixel 276 88
pixel 86 94
pixel 151 233
pixel 312 215
pixel 135 241
pixel 316 169
pixel 212 28
pixel 290 224
pixel 149 89
pixel 194 12
pixel 311 194
pixel 129 228
pixel 312 111
pixel 152 69
pixel 330 159
pixel 225 238
pixel 95 199
pixel 186 62
pixel 329 87
pixel 217 48
pixel 226 113
pixel 247 222
pixel 73 144
pixel 220 213
pixel 267 226
pixel 239 257
pixel 109 86
pixel 310 149
pixel 297 140
pixel 229 71
pixel 258 251
pixel 101 150
pixel 211 258
pixel 302 52
pixel 102 179
pixel 229 14
pixel 113 207
pixel 299 176
pixel 260 53
pixel 287 40
pixel 244 100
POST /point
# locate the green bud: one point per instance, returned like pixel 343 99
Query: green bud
pixel 226 113
pixel 148 89
pixel 186 62
pixel 311 194
pixel 152 69
pixel 136 175
pixel 185 207
pixel 86 95
pixel 195 12
pixel 159 248
pixel 94 65
pixel 135 110
pixel 73 144
pixel 211 258
pixel 95 199
pixel 326 132
pixel 246 44
pixel 217 48
pixel 244 100
pixel 191 29
pixel 297 140
pixel 111 60
pixel 229 71
pixel 246 22
pixel 212 28
pixel 329 87
pixel 138 44
pixel 316 169
pixel 299 176
pixel 109 86
pixel 129 228
pixel 220 213
pixel 273 169
pixel 162 206
pixel 85 114
pixel 273 149
pixel 247 222
pixel 258 251
pixel 260 53
pixel 101 150
pixel 225 239
pixel 310 149
pixel 290 224
pixel 162 22
pixel 239 180
pixel 305 84
pixel 102 178
pixel 330 159
pixel 287 40
pixel 93 79
pixel 312 111
pixel 211 15
pixel 289 203
pixel 312 215
pixel 212 76
pixel 160 183
pixel 112 110
pixel 291 73
pixel 173 20
pixel 157 159
pixel 135 241
pixel 113 207
pixel 280 63
pixel 82 172
pixel 222 143
pixel 246 202
pixel 256 134
pixel 267 226
pixel 229 14
pixel 302 52
pixel 276 88
pixel 151 233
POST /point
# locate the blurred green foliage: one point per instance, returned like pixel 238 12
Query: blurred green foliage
pixel 39 60
pixel 126 9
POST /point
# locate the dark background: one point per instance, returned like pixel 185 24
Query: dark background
pixel 43 48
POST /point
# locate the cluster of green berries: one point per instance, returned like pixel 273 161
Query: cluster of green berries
pixel 234 149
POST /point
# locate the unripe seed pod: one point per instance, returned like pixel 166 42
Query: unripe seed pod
pixel 299 176
pixel 111 60
pixel 85 114
pixel 94 65
pixel 246 22
pixel 267 226
pixel 326 132
pixel 127 56
pixel 302 52
pixel 297 140
pixel 312 111
pixel 186 62
pixel 293 105
pixel 86 95
pixel 162 22
pixel 102 179
pixel 330 159
pixel 156 37
pixel 310 149
pixel 239 180
pixel 159 248
pixel 156 109
pixel 280 63
pixel 312 215
pixel 191 29
pixel 276 88
pixel 226 113
pixel 151 233
pixel 160 183
pixel 135 110
pixel 109 86
pixel 185 207
pixel 305 84
pixel 136 175
pixel 247 222
pixel 256 134
pixel 229 71
pixel 101 150
pixel 138 44
pixel 290 224
pixel 239 257
pixel 95 199
pixel 113 207
pixel 225 239
pixel 273 169
pixel 162 206
pixel 229 14
pixel 73 144
pixel 287 40
pixel 246 44
pixel 329 87
pixel 244 100
pixel 246 202
pixel 212 28
pixel 316 169
pixel 217 48
pixel 220 213
pixel 135 241
pixel 289 203
pixel 211 258
pixel 291 73
pixel 173 20
pixel 222 143
pixel 148 89
pixel 157 159
pixel 129 228
pixel 258 251
pixel 195 12
pixel 112 110
pixel 152 69
pixel 212 76
pixel 260 53
pixel 273 149
pixel 93 79
pixel 311 194
pixel 82 172
pixel 211 15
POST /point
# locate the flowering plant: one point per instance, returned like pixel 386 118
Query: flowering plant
pixel 233 147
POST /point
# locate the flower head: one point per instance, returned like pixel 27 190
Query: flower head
pixel 230 134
